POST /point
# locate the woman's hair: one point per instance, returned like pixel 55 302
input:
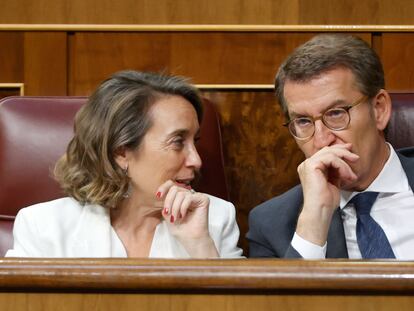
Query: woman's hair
pixel 116 116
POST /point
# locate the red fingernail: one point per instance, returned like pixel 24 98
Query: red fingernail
pixel 172 219
pixel 165 211
pixel 158 194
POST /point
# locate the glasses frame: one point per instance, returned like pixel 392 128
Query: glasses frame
pixel 321 117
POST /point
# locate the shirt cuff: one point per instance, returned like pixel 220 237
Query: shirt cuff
pixel 307 249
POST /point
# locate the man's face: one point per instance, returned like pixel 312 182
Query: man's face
pixel 337 88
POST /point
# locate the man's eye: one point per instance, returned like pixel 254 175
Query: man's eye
pixel 302 122
pixel 335 113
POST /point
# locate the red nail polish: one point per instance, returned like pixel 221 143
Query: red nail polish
pixel 172 219
pixel 158 194
pixel 165 211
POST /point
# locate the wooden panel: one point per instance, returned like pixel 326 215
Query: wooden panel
pixel 150 12
pixel 208 276
pixel 11 56
pixel 280 12
pixel 124 284
pixel 260 155
pixel 178 302
pixel 397 52
pixel 346 12
pixel 208 57
pixel 45 63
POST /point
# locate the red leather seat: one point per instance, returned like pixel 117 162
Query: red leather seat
pixel 400 130
pixel 34 132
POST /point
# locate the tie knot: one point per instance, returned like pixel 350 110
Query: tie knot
pixel 363 202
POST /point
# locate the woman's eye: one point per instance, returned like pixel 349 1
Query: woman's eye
pixel 178 142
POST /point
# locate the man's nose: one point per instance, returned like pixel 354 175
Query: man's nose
pixel 323 136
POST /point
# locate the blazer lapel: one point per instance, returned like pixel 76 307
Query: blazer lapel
pixel 93 233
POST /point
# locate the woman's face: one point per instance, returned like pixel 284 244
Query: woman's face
pixel 167 151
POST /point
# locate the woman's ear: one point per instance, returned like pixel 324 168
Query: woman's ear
pixel 121 157
pixel 382 109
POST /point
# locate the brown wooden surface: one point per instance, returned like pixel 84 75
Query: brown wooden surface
pixel 127 284
pixel 11 56
pixel 45 63
pixel 37 59
pixel 207 276
pixel 208 12
pixel 214 58
pixel 397 55
pixel 174 302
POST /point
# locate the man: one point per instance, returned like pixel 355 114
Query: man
pixel 332 91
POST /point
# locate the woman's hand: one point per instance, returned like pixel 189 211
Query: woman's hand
pixel 186 213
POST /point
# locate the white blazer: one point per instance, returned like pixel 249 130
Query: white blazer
pixel 65 228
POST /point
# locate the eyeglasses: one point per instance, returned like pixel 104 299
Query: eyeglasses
pixel 335 119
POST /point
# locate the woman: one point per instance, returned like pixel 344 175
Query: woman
pixel 127 173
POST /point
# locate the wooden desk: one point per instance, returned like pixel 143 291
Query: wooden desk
pixel 127 284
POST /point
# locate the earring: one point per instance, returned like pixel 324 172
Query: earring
pixel 127 193
pixel 125 169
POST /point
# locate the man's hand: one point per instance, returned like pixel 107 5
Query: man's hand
pixel 321 177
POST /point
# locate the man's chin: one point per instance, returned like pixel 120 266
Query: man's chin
pixel 348 185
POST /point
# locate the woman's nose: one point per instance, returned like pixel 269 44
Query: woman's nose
pixel 193 158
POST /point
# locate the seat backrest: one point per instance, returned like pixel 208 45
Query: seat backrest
pixel 34 133
pixel 400 132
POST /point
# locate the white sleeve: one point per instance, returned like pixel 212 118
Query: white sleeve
pixel 230 235
pixel 25 236
pixel 307 249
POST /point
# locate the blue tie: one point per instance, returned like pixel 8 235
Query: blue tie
pixel 372 241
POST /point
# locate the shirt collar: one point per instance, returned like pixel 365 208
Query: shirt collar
pixel 391 179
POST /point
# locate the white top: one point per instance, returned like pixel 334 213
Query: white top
pixel 65 228
pixel 393 211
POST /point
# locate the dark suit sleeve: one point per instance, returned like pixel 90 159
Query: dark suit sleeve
pixel 292 253
pixel 258 247
pixel 272 225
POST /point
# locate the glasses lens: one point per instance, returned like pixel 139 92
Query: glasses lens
pixel 336 118
pixel 301 127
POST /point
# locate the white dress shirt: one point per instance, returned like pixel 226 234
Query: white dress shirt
pixel 393 211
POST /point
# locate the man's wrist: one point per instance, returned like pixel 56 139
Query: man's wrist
pixel 307 249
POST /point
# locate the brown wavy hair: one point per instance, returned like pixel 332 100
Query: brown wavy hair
pixel 116 115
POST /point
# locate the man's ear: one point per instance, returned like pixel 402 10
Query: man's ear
pixel 382 109
pixel 120 157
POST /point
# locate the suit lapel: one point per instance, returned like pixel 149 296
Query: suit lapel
pixel 408 166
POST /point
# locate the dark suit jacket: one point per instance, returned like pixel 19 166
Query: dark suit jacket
pixel 273 223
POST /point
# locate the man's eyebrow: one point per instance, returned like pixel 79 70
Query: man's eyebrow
pixel 334 104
